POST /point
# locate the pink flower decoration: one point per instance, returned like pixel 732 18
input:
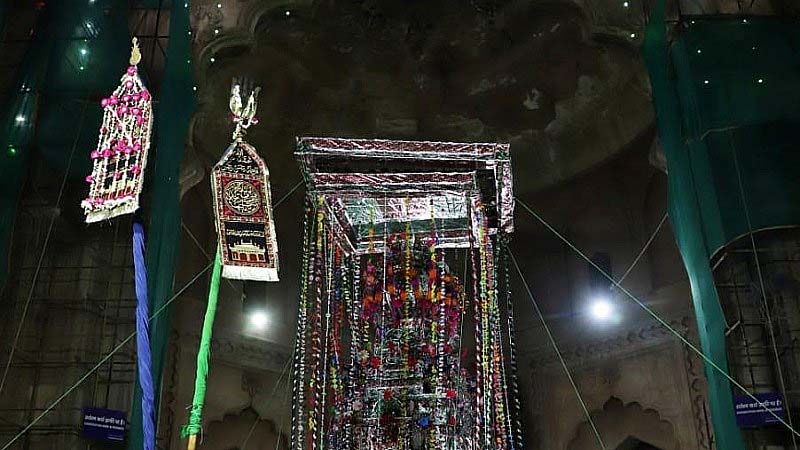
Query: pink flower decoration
pixel 104 102
pixel 117 175
pixel 89 178
pixel 94 154
pixel 126 98
pixel 129 84
pixel 113 100
pixel 146 94
pixel 136 169
pixel 131 70
pixel 139 121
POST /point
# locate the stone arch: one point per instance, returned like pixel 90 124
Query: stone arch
pixel 620 424
pixel 245 429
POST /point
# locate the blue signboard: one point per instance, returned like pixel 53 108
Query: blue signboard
pixel 104 424
pixel 749 413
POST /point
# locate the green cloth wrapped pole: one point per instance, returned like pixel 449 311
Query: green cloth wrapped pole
pixel 192 429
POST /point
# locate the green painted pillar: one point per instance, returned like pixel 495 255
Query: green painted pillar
pixel 174 111
pixel 684 214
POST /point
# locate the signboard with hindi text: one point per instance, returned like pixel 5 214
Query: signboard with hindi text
pixel 749 413
pixel 104 424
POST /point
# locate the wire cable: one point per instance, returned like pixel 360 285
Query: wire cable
pixel 641 253
pixel 655 316
pixel 102 361
pixel 767 313
pixel 49 233
pixel 121 344
pixel 558 352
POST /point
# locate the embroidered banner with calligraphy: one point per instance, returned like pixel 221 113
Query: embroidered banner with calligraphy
pixel 243 210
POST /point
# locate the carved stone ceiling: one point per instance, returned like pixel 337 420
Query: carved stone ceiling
pixel 564 84
pixel 561 80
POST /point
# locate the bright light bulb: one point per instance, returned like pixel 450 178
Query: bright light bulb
pixel 259 319
pixel 219 5
pixel 20 119
pixel 84 51
pixel 216 31
pixel 601 309
pixel 760 80
pixel 633 35
pixel 699 51
pixel 288 13
pixel 213 59
pixel 705 81
pixel 625 4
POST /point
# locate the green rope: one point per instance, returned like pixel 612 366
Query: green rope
pixel 203 354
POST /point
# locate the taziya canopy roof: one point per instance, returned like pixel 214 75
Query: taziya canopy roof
pixel 383 185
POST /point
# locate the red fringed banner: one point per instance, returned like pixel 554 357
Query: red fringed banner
pixel 121 154
pixel 243 204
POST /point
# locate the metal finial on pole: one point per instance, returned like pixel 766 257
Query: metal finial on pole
pixel 136 55
pixel 244 115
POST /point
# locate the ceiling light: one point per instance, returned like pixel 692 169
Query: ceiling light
pixel 601 309
pixel 20 119
pixel 259 319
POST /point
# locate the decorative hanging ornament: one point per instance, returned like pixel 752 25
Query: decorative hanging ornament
pixel 121 154
pixel 243 202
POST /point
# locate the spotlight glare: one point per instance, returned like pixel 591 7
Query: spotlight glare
pixel 20 119
pixel 601 309
pixel 258 319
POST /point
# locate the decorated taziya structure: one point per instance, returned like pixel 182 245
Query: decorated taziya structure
pixel 119 160
pixel 405 331
pixel 243 202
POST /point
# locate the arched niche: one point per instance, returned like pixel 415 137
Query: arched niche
pixel 621 425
